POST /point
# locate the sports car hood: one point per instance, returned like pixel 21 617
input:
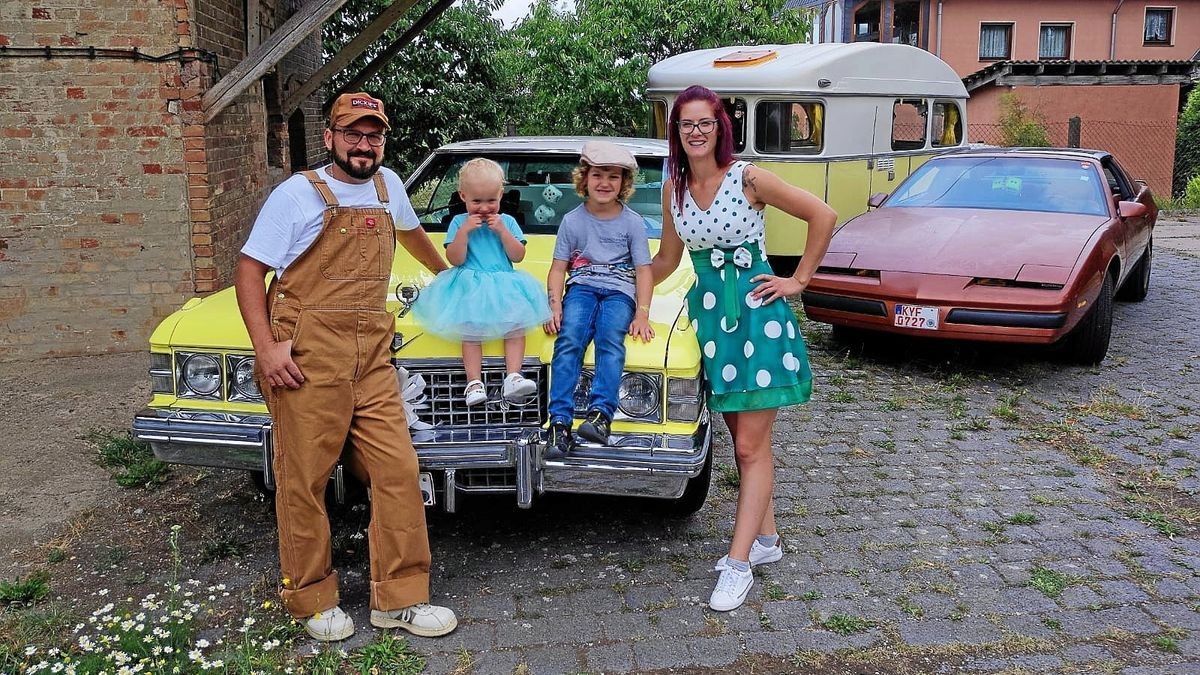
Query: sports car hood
pixel 964 242
pixel 213 322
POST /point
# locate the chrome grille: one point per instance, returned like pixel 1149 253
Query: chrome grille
pixel 486 480
pixel 445 387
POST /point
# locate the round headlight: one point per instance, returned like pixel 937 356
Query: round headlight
pixel 202 374
pixel 638 395
pixel 243 379
pixel 583 391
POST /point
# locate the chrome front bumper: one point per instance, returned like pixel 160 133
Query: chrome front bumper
pixel 640 465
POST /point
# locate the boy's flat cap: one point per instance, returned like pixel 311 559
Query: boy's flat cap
pixel 603 153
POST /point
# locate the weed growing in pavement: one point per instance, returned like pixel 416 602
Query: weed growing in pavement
pixel 27 590
pixel 811 595
pixel 842 397
pixel 909 607
pixel 387 654
pixel 1158 521
pixel 1051 623
pixel 1107 407
pixel 130 462
pixel 1044 500
pixel 1050 582
pixel 729 475
pixel 1006 407
pixel 844 624
pixel 1023 519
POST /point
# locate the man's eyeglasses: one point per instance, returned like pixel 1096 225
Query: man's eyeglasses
pixel 703 126
pixel 353 137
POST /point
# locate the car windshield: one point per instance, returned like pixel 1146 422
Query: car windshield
pixel 1011 183
pixel 538 190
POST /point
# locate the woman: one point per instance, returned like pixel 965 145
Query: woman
pixel 754 356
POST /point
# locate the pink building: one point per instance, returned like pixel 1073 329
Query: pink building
pixel 1121 66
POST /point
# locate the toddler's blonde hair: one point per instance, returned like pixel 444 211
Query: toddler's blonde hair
pixel 481 169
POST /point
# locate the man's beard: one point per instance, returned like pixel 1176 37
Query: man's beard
pixel 349 168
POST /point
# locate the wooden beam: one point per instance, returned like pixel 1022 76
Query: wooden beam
pixel 351 51
pixel 377 64
pixel 264 57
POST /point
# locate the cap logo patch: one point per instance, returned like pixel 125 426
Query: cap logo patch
pixel 363 103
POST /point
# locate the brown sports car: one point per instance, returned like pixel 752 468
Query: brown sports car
pixel 999 244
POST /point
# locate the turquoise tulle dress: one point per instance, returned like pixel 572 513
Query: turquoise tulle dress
pixel 484 298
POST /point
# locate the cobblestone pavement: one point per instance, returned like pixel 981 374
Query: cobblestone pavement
pixel 945 508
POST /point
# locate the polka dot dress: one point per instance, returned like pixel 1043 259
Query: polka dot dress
pixel 754 357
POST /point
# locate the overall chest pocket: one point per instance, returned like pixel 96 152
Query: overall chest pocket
pixel 355 251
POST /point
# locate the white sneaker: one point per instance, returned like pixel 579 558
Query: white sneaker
pixel 330 626
pixel 731 589
pixel 518 388
pixel 424 620
pixel 761 555
pixel 476 393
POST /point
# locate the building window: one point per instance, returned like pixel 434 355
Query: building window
pixel 789 128
pixel 910 117
pixel 906 23
pixel 1158 25
pixel 995 41
pixel 1055 41
pixel 868 17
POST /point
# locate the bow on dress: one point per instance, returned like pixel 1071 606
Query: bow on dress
pixel 741 258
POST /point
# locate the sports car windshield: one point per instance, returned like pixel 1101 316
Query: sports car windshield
pixel 1009 183
pixel 538 190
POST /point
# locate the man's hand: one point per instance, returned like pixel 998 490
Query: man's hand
pixel 278 367
pixel 640 328
pixel 555 323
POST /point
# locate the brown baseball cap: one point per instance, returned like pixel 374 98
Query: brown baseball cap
pixel 350 108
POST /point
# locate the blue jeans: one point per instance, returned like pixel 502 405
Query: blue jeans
pixel 589 314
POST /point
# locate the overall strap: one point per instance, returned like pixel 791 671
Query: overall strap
pixel 322 187
pixel 381 188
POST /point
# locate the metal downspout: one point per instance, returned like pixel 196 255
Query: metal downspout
pixel 1112 42
pixel 939 30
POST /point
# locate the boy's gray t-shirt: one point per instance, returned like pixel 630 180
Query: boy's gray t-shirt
pixel 590 245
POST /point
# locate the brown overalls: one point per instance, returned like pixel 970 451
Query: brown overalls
pixel 330 302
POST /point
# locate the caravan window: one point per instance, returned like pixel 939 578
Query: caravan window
pixel 947 124
pixel 909 120
pixel 736 109
pixel 789 127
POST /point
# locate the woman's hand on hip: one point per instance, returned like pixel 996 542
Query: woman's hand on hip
pixel 773 287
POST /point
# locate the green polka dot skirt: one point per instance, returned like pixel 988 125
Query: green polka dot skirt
pixel 753 354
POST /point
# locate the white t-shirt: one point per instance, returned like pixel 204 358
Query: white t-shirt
pixel 293 214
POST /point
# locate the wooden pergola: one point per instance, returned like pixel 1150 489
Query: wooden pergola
pixel 295 30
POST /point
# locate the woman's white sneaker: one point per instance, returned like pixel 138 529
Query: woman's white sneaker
pixel 424 620
pixel 731 589
pixel 760 555
pixel 329 626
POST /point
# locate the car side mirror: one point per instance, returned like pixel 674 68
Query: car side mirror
pixel 876 200
pixel 1131 209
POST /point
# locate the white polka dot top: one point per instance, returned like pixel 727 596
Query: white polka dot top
pixel 728 223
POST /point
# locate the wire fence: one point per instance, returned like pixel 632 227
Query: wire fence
pixel 1145 150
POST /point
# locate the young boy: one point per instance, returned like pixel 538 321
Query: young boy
pixel 603 252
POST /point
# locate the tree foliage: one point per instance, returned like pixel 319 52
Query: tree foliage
pixel 584 71
pixel 447 85
pixel 1187 144
pixel 1022 128
pixel 556 72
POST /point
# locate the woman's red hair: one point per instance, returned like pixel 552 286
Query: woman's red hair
pixel 677 161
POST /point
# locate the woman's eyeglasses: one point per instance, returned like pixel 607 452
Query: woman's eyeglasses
pixel 703 126
pixel 353 137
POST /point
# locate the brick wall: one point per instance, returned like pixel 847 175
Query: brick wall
pixel 91 180
pixel 117 201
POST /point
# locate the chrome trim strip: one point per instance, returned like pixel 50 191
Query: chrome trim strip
pixel 449 501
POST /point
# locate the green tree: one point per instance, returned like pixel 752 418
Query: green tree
pixel 1021 127
pixel 1187 142
pixel 584 70
pixel 447 85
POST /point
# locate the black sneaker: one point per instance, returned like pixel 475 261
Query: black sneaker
pixel 558 441
pixel 595 427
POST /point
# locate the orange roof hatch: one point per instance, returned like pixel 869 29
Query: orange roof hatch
pixel 745 58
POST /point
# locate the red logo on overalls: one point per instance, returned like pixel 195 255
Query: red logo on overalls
pixel 370 222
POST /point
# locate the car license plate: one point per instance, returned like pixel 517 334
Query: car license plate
pixel 916 316
pixel 427 494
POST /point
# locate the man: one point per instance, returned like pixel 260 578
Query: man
pixel 322 348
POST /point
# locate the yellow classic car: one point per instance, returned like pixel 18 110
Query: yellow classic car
pixel 206 408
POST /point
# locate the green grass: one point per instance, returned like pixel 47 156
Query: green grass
pixel 909 607
pixel 809 596
pixel 1158 521
pixel 222 547
pixel 1051 623
pixel 1044 500
pixel 773 592
pixel 27 590
pixel 1050 582
pixel 842 397
pixel 1023 519
pixel 845 624
pixel 387 654
pixel 728 475
pixel 130 462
